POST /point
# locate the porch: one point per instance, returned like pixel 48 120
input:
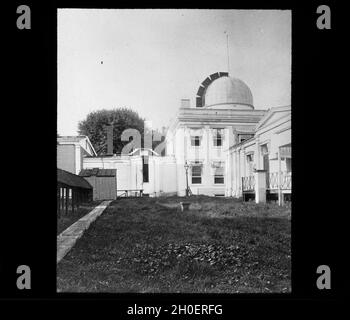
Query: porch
pixel 276 186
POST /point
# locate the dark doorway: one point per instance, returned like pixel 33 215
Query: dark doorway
pixel 145 169
pixel 266 163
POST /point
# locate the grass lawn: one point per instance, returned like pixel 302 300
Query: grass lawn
pixel 148 245
pixel 67 220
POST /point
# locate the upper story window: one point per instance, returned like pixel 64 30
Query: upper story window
pixel 264 149
pixel 250 162
pixel 195 141
pixel 289 164
pixel 250 157
pixel 243 137
pixel 218 137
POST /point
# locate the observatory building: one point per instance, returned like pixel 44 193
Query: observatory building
pixel 201 136
pixel 221 146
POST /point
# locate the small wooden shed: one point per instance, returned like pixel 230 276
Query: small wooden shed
pixel 103 181
pixel 72 191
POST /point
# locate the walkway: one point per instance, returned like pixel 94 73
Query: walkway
pixel 67 239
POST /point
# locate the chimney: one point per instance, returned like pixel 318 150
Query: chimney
pixel 185 103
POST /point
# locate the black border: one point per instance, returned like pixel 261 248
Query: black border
pixel 29 225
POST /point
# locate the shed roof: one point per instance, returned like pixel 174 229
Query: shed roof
pixel 98 172
pixel 72 180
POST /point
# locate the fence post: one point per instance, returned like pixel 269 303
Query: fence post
pixel 62 200
pixel 78 197
pixel 58 202
pixel 73 199
pixel 243 195
pixel 67 198
pixel 280 195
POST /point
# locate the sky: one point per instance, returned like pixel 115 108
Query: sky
pixel 148 60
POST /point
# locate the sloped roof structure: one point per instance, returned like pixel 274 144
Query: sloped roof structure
pixel 72 180
pixel 97 172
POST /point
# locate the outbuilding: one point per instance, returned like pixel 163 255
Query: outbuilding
pixel 72 191
pixel 103 181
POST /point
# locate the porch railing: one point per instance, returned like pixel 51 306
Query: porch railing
pixel 286 181
pixel 248 183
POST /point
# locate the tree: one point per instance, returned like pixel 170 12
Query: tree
pixel 94 126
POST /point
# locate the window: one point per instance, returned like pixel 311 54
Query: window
pixel 289 164
pixel 145 169
pixel 195 141
pixel 219 175
pixel 217 137
pixel 196 173
pixel 244 137
pixel 264 149
pixel 250 162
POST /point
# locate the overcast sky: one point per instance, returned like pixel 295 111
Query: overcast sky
pixel 150 59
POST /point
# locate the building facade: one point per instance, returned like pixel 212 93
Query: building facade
pixel 142 169
pixel 201 136
pixel 222 146
pixel 262 165
pixel 71 151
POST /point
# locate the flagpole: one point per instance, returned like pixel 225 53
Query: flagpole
pixel 228 56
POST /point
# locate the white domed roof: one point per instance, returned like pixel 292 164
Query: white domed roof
pixel 228 92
